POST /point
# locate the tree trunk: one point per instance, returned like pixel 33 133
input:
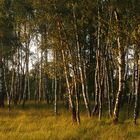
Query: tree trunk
pixel 55 88
pixel 1 85
pixel 80 65
pixel 77 96
pixel 121 66
pixel 72 107
pixel 137 78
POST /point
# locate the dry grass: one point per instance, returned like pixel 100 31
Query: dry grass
pixel 40 124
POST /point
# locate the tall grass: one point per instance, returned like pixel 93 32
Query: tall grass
pixel 37 122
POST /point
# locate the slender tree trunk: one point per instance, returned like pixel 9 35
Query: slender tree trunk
pixel 55 88
pixel 120 88
pixel 97 106
pixel 40 78
pixel 21 77
pixel 132 90
pixel 80 65
pixel 55 97
pixel 12 85
pixel 121 76
pixel 71 104
pixel 137 78
pixel 100 76
pixel 77 97
pixel 26 93
pixel 72 107
pixel 6 86
pixel 1 85
pixel 109 84
pixel 18 78
pixel 85 80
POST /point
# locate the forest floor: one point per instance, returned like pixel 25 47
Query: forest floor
pixel 37 122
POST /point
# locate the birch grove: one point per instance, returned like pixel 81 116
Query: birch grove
pixel 85 56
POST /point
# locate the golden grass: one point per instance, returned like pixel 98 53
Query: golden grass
pixel 41 124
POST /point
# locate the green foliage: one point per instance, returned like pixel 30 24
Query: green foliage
pixel 7 35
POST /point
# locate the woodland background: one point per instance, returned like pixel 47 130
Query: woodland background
pixel 76 61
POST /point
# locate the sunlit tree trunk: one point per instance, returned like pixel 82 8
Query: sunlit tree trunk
pixel 80 64
pixel 121 66
pixel 71 105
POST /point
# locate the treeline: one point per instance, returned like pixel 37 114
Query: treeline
pixel 87 50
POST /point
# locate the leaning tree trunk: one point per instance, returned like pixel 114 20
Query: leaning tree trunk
pixel 80 64
pixel 71 104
